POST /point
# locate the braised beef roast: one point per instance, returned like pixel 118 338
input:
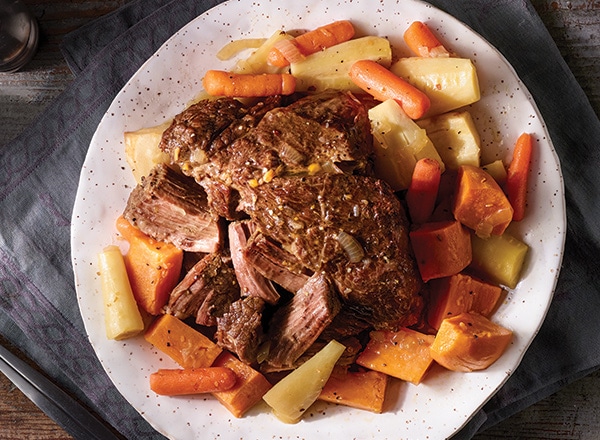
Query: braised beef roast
pixel 314 242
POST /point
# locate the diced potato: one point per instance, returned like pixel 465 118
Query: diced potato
pixel 121 314
pixel 399 143
pixel 291 397
pixel 500 257
pixel 450 83
pixel 329 68
pixel 497 170
pixel 141 149
pixel 257 61
pixel 455 137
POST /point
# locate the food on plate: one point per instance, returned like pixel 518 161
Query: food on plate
pixel 441 249
pixel 480 203
pixel 399 143
pixel 517 175
pixel 362 389
pixel 450 83
pixel 403 354
pixel 500 258
pixel 248 85
pixel 179 382
pixel 422 41
pixel 122 318
pixel 153 267
pixel 296 392
pixel 289 51
pixel 329 68
pixel 382 84
pixel 325 237
pixel 469 342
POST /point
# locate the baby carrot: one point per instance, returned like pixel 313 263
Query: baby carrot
pixel 517 175
pixel 245 85
pixel 177 382
pixel 422 41
pixel 423 189
pixel 382 84
pixel 314 41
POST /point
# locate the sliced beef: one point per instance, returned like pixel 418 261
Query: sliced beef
pixel 275 263
pixel 240 329
pixel 354 229
pixel 297 325
pixel 171 207
pixel 251 281
pixel 205 292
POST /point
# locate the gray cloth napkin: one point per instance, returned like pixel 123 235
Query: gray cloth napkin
pixel 39 175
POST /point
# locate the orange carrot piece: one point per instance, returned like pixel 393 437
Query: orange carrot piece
pixel 460 293
pixel 248 390
pixel 441 249
pixel 419 38
pixel 314 41
pixel 423 189
pixel 403 354
pixel 179 382
pixel 480 203
pixel 469 342
pixel 518 175
pixel 363 389
pixel 153 267
pixel 247 85
pixel 382 84
pixel 186 346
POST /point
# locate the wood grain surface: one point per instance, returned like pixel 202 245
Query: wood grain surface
pixel 571 413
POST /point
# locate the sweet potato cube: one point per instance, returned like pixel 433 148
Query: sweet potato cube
pixel 460 293
pixel 251 386
pixel 357 389
pixel 153 267
pixel 441 249
pixel 469 342
pixel 480 203
pixel 186 346
pixel 403 354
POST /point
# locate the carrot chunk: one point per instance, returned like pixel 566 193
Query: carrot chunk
pixel 382 84
pixel 186 346
pixel 153 267
pixel 441 249
pixel 178 382
pixel 363 389
pixel 403 354
pixel 469 342
pixel 248 85
pixel 423 189
pixel 460 293
pixel 480 203
pixel 312 41
pixel 421 40
pixel 517 175
pixel 248 390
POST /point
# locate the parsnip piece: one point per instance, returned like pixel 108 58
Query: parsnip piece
pixel 497 170
pixel 295 393
pixel 121 314
pixel 257 61
pixel 141 149
pixel 328 69
pixel 399 143
pixel 455 137
pixel 450 83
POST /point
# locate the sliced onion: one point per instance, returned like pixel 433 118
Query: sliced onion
pixel 234 47
pixel 351 246
pixel 289 50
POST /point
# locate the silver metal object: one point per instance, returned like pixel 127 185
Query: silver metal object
pixel 18 35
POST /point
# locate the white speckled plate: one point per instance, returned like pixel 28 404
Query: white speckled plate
pixel 169 79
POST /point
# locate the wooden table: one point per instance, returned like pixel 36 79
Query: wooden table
pixel 571 413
